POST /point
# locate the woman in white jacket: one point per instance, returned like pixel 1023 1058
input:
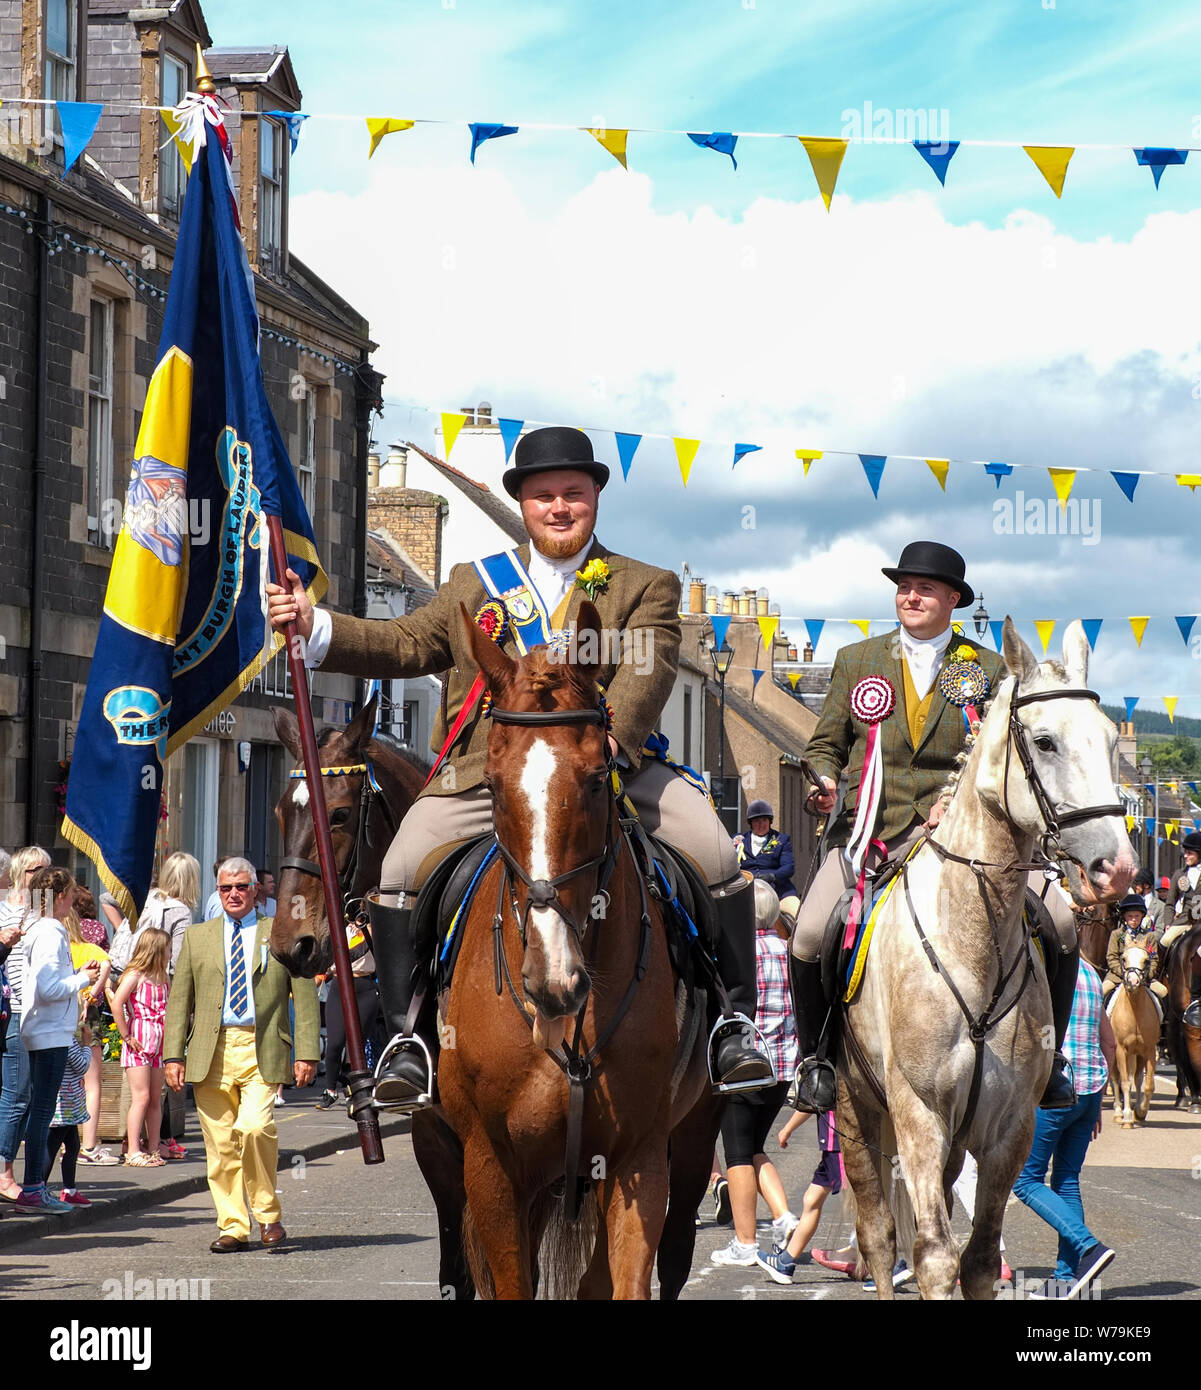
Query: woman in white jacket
pixel 50 994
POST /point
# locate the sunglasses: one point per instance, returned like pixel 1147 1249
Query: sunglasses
pixel 233 888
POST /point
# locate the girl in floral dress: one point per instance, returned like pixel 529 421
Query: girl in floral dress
pixel 139 1011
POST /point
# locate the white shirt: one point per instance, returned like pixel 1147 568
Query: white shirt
pixel 757 843
pixel 552 578
pixel 923 657
pixel 249 927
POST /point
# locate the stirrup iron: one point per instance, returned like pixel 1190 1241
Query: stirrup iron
pixel 397 1044
pixel 720 1029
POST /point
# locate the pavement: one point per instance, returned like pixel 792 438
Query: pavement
pixel 304 1133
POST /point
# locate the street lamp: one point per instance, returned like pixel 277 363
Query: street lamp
pixel 980 617
pixel 722 656
pixel 1147 766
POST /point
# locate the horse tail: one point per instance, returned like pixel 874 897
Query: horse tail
pixel 893 1181
pixel 477 1260
pixel 566 1247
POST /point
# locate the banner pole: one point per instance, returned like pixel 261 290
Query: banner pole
pixel 361 1082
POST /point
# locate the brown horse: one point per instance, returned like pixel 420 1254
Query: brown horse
pixel 362 826
pixel 1094 925
pixel 1182 966
pixel 1135 1021
pixel 563 943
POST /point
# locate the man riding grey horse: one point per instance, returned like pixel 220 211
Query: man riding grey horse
pixel 523 598
pixel 919 745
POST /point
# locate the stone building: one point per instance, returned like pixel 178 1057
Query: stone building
pixel 84 267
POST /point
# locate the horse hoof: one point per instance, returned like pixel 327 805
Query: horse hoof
pixel 1195 1108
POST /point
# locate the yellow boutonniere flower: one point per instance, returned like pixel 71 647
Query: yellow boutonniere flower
pixel 963 653
pixel 593 578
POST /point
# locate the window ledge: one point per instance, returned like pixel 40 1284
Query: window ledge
pixel 97 555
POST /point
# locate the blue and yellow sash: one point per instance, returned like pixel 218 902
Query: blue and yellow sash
pixel 506 579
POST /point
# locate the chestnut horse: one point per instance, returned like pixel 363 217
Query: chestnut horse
pixel 1182 965
pixel 564 969
pixel 362 824
pixel 1135 1022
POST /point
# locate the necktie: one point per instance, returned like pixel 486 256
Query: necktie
pixel 237 974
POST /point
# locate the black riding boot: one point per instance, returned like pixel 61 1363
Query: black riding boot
pixel 1060 1093
pixel 735 1061
pixel 404 1075
pixel 1192 1015
pixel 816 1083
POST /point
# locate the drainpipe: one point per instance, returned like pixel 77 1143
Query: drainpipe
pixel 33 788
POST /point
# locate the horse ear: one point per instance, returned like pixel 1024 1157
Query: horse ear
pixel 1075 652
pixel 495 666
pixel 1019 659
pixel 586 644
pixel 287 730
pixel 358 731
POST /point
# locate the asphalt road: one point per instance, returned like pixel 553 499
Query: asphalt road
pixel 359 1233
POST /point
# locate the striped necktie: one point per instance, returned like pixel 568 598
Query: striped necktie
pixel 237 974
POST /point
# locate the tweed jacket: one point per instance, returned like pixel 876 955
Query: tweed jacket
pixel 912 776
pixel 637 596
pixel 197 997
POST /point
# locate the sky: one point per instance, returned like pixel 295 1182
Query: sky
pixel 986 321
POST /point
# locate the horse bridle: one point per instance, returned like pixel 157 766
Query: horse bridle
pixel 544 892
pixel 1054 820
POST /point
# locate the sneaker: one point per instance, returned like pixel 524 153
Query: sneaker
pixel 901 1274
pixel 327 1100
pixel 723 1212
pixel 99 1158
pixel 1006 1272
pixel 279 1100
pixel 779 1265
pixel 37 1201
pixel 827 1260
pixel 74 1199
pixel 1049 1289
pixel 782 1228
pixel 172 1149
pixel 736 1254
pixel 1092 1262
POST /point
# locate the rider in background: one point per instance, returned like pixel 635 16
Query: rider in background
pixel 1186 891
pixel 767 854
pixel 1136 929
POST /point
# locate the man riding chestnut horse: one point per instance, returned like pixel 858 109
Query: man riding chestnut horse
pixel 525 598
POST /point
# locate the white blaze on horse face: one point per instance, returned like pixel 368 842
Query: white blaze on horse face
pixel 545 922
pixel 300 796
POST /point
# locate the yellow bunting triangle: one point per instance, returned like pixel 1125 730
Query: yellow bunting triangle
pixel 613 140
pixel 685 453
pixel 451 425
pixel 793 677
pixel 861 623
pixel 1171 827
pixel 175 126
pixel 1172 786
pixel 1063 478
pixel 940 468
pixel 1139 626
pixel 1052 163
pixel 1192 481
pixel 1170 703
pixel 379 126
pixel 767 630
pixel 1129 824
pixel 826 158
pixel 1045 627
pixel 807 457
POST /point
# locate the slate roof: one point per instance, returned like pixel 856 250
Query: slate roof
pixel 481 494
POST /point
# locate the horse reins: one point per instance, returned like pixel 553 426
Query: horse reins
pixel 573 1062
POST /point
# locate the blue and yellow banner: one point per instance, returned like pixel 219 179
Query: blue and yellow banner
pixel 184 630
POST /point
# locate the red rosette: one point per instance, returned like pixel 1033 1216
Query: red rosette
pixel 873 699
pixel 492 620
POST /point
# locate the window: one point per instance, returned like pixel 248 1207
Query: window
pixel 306 464
pixel 101 527
pixel 271 193
pixel 172 176
pixel 687 751
pixel 61 35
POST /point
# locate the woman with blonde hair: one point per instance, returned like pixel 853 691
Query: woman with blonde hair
pixel 169 907
pixel 143 993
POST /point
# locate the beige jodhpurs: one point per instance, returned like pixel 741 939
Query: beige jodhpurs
pixel 666 804
pixel 835 876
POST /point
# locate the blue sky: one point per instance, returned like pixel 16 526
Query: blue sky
pixel 987 320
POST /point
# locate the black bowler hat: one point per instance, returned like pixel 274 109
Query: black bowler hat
pixel 556 446
pixel 1192 841
pixel 933 561
pixel 1132 902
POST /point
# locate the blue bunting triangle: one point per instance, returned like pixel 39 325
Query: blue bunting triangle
pixel 1157 160
pixel 755 675
pixel 740 449
pixel 1186 626
pixel 1127 482
pixel 510 432
pixel 78 120
pixel 483 130
pixel 937 154
pixel 721 626
pixel 813 626
pixel 873 466
pixel 626 445
pixel 1131 701
pixel 293 120
pixel 999 471
pixel 997 628
pixel 1092 629
pixel 720 140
